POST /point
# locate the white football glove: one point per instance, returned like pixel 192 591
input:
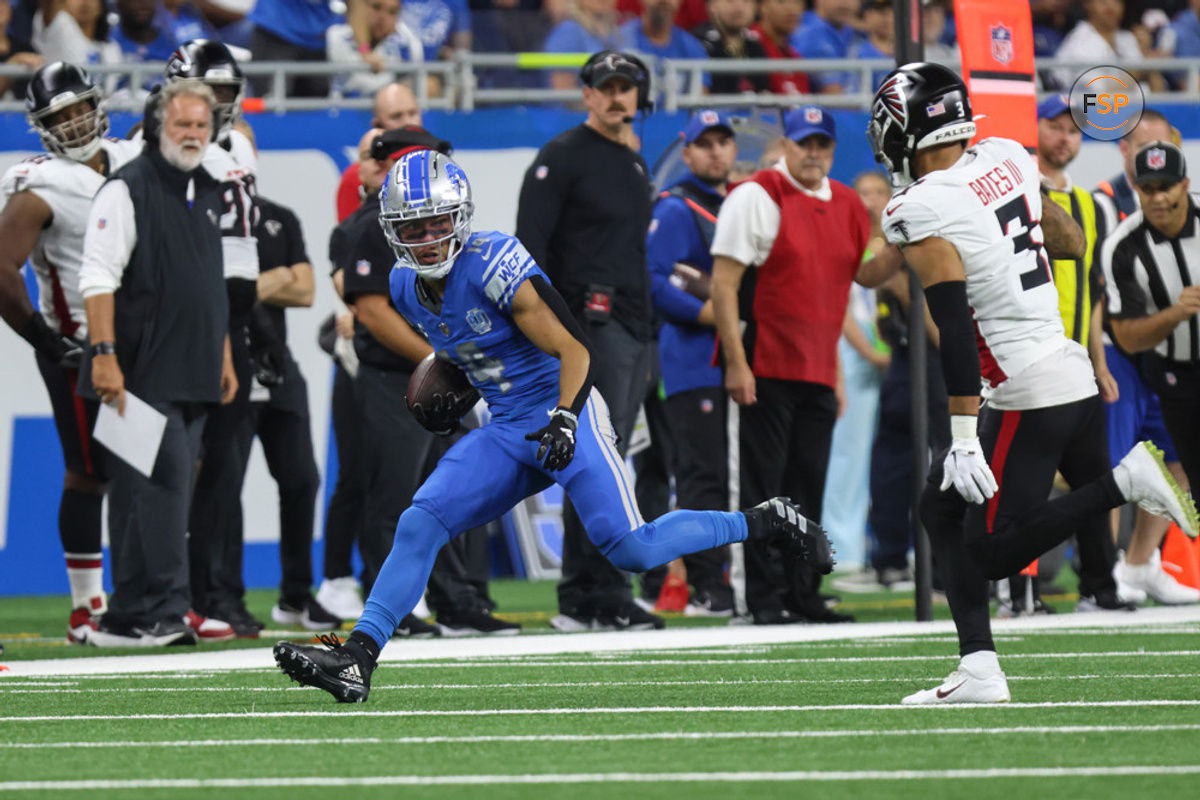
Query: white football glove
pixel 967 470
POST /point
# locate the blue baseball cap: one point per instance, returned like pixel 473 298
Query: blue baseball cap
pixel 805 121
pixel 1052 106
pixel 703 120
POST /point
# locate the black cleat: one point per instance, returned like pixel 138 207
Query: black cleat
pixel 343 670
pixel 780 519
pixel 413 627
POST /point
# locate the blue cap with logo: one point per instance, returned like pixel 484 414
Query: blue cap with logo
pixel 1052 106
pixel 703 120
pixel 806 121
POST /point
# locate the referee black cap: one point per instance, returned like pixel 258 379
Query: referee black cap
pixel 1159 162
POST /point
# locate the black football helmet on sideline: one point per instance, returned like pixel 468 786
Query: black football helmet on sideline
pixel 918 105
pixel 211 62
pixel 54 88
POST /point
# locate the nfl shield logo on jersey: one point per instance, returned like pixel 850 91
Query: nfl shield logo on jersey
pixel 1002 43
pixel 479 321
pixel 1156 158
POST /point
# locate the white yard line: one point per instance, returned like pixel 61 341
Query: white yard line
pixel 606 777
pixel 409 687
pixel 641 641
pixel 606 737
pixel 521 712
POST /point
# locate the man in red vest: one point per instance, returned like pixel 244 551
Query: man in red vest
pixel 805 236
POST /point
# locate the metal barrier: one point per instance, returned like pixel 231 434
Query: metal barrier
pixel 460 86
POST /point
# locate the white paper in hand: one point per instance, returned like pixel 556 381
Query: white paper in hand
pixel 135 437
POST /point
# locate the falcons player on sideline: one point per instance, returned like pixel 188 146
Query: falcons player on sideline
pixel 46 202
pixel 970 221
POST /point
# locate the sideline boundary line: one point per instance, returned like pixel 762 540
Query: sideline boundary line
pixel 641 641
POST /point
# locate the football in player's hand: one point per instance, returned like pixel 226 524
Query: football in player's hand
pixel 439 394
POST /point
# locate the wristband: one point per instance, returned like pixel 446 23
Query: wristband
pixel 103 349
pixel 566 413
pixel 963 426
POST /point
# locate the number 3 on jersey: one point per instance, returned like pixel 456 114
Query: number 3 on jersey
pixel 1018 209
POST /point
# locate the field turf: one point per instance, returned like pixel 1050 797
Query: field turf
pixel 1104 706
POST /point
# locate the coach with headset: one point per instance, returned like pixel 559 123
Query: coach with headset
pixel 584 212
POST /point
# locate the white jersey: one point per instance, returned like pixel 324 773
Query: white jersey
pixel 989 206
pixel 68 188
pixel 234 168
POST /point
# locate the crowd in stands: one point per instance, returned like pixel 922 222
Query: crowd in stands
pixel 384 35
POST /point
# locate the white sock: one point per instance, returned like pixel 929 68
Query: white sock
pixel 981 662
pixel 86 576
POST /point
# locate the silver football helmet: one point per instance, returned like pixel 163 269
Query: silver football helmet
pixel 421 187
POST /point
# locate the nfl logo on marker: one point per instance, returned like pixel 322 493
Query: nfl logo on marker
pixel 1002 43
pixel 812 116
pixel 1156 158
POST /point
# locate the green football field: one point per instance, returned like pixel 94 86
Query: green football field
pixel 1104 705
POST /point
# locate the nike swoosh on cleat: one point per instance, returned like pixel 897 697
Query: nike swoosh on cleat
pixel 942 695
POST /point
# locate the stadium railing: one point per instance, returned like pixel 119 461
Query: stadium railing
pixel 463 90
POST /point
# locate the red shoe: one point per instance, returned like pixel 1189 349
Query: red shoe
pixel 208 629
pixel 85 620
pixel 673 596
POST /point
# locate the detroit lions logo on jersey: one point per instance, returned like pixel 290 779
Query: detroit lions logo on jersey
pixel 479 321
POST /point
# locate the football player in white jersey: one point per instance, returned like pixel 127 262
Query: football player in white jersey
pixel 46 200
pixel 970 222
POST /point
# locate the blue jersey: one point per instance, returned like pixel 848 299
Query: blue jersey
pixel 474 327
pixel 685 348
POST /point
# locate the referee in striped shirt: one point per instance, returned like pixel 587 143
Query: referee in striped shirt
pixel 1152 264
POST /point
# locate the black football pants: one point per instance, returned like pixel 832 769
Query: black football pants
pixel 976 543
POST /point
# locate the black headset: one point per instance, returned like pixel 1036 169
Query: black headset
pixel 641 79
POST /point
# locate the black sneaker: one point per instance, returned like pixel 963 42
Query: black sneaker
pixel 164 633
pixel 475 623
pixel 631 617
pixel 1104 600
pixel 717 602
pixel 413 627
pixel 779 518
pixel 343 670
pixel 774 616
pixel 244 624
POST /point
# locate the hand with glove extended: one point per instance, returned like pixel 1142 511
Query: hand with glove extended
pixel 556 441
pixel 57 347
pixel 965 468
pixel 444 410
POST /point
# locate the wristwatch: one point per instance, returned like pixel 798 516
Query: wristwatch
pixel 103 348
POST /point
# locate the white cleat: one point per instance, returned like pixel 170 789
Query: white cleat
pixel 1150 579
pixel 962 686
pixel 1143 478
pixel 1126 592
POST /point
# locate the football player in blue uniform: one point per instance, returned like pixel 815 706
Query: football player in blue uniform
pixel 485 306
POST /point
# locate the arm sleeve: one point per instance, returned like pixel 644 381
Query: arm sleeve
pixel 543 193
pixel 108 240
pixel 340 47
pixel 668 242
pixel 746 225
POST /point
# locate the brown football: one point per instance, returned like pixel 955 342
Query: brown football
pixel 439 394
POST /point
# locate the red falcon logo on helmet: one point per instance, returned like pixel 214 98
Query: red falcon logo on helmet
pixel 891 97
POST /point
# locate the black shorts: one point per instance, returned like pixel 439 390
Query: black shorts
pixel 75 419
